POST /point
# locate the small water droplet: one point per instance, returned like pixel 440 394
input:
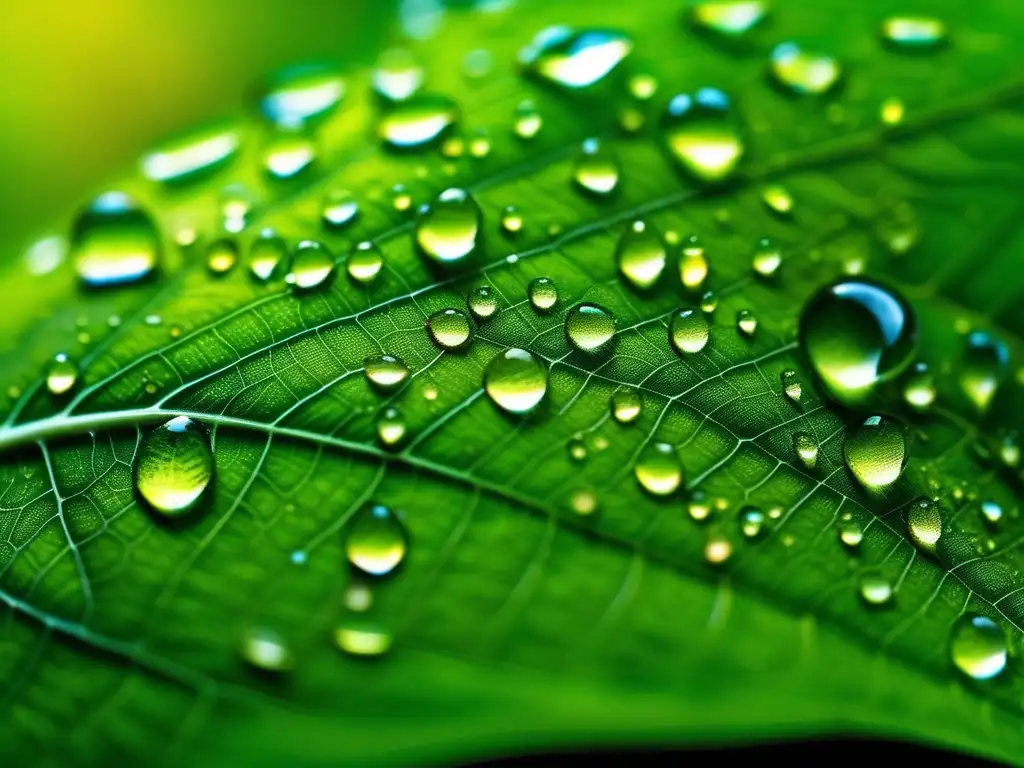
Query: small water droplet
pixel 693 264
pixel 447 229
pixel 362 638
pixel 914 32
pixel 688 331
pixel 924 524
pixel 626 405
pixel 174 466
pixel 891 111
pixel 876 452
pixel 221 255
pixel 978 647
pixel 792 387
pixel 595 169
pixel 640 255
pixel 543 294
pixel 417 122
pixel 746 322
pixel 767 258
pixel 515 380
pixel 527 120
pixel 480 144
pixel 717 550
pixel 266 255
pixel 709 302
pixel 875 588
pixel 450 329
pixel 266 650
pixel 803 72
pixel 702 134
pixel 376 541
pixel 574 60
pixel 391 427
pixel 577 448
pixel 358 596
pixel 288 154
pixel 401 200
pixel 397 75
pixel 299 95
pixel 312 264
pixel 698 507
pixel 729 18
pixel 584 502
pixel 365 262
pixel 386 372
pixel 339 208
pixel 752 522
pixel 195 154
pixel 850 533
pixel 984 366
pixel 991 511
pixel 643 86
pixel 114 241
pixel 62 375
pixel 477 64
pixel 482 302
pixel 919 389
pixel 777 199
pixel 511 220
pixel 590 328
pixel 658 469
pixel 1009 450
pixel 805 445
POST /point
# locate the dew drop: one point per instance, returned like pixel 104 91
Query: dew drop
pixel 693 264
pixel 643 86
pixel 767 258
pixel 417 122
pixel 983 368
pixel 386 372
pixel 266 650
pixel 447 229
pixel 702 134
pixel 590 328
pixel 114 241
pixel 806 447
pixel 543 294
pixel 527 120
pixel 376 541
pixel 221 256
pixel 339 209
pixel 698 507
pixel 978 647
pixel 391 427
pixel 287 155
pixel 397 75
pixel 746 322
pixel 709 302
pixel 401 200
pixel 299 95
pixel 729 18
pixel 924 524
pixel 482 302
pixel 850 533
pixel 875 589
pixel 511 220
pixel 584 502
pixel 515 380
pixel 362 638
pixel 792 387
pixel 777 199
pixel 358 596
pixel 364 262
pixel 62 375
pixel 658 469
pixel 803 72
pixel 312 264
pixel 626 405
pixel 914 32
pixel 266 254
pixel 717 550
pixel 876 452
pixel 450 329
pixel 595 170
pixel 991 511
pixel 752 522
pixel 891 111
pixel 688 331
pixel 857 334
pixel 185 158
pixel 574 60
pixel 640 255
pixel 919 389
pixel 174 466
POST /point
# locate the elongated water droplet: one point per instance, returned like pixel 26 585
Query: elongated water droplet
pixel 482 302
pixel 185 158
pixel 266 650
pixel 595 169
pixel 266 255
pixel 658 469
pixel 688 331
pixel 574 60
pixel 339 209
pixel 391 427
pixel 702 134
pixel 299 95
pixel 362 638
pixel 803 72
pixel 450 328
pixel 221 255
pixel 447 229
pixel 640 255
pixel 376 541
pixel 978 647
pixel 62 375
pixel 174 466
pixel 287 155
pixel 626 405
pixel 984 366
pixel 386 372
pixel 876 452
pixel 590 328
pixel 857 334
pixel 417 122
pixel 806 447
pixel 792 387
pixel 114 241
pixel 543 294
pixel 397 75
pixel 693 264
pixel 527 120
pixel 729 18
pixel 924 524
pixel 875 588
pixel 752 522
pixel 991 511
pixel 312 264
pixel 914 32
pixel 767 258
pixel 919 389
pixel 746 322
pixel 515 380
pixel 365 262
pixel 850 533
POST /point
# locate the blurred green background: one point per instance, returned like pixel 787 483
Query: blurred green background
pixel 91 84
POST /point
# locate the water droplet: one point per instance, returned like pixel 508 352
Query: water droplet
pixel 477 63
pixel 584 502
pixel 417 122
pixel 174 466
pixel 891 111
pixel 339 208
pixel 543 294
pixel 358 596
pixel 595 169
pixel 362 638
pixel 450 328
pixel 693 264
pixel 983 368
pixel 391 427
pixel 401 200
pixel 919 389
pixel 777 199
pixel 752 522
pixel 643 86
pixel 299 95
pixel 702 134
pixel 574 59
pixel 482 303
pixel 365 262
pixel 185 158
pixel 803 72
pixel 511 220
pixel 221 255
pixel 924 524
pixel 850 533
pixel 386 372
pixel 113 241
pixel 730 18
pixel 376 541
pixel 978 647
pixel 717 550
pixel 287 155
pixel 266 254
pixel 1009 450
pixel 266 650
pixel 991 511
pixel 898 228
pixel 658 469
pixel 709 302
pixel 806 447
pixel 480 145
pixel 876 452
pixel 590 328
pixel 767 258
pixel 688 331
pixel 698 507
pixel 792 387
pixel 914 32
pixel 312 264
pixel 447 230
pixel 626 405
pixel 875 588
pixel 640 255
pixel 527 120
pixel 746 322
pixel 397 75
pixel 62 375
pixel 515 380
pixel 857 334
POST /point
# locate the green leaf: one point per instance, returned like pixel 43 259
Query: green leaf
pixel 518 623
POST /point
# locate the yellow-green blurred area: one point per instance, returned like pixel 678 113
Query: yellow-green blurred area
pixel 91 84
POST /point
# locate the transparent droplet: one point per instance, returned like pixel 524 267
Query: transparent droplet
pixel 386 372
pixel 730 18
pixel 450 328
pixel 777 199
pixel 693 264
pixel 447 229
pixel 805 445
pixel 767 258
pixel 365 262
pixel 978 647
pixel 391 427
pixel 480 145
pixel 195 154
pixel 688 331
pixel 626 405
pixel 401 200
pixel 876 452
pixel 746 322
pixel 339 208
pixel 792 387
pixel 312 264
pixel 703 135
pixel 717 550
pixel 62 375
pixel 850 533
pixel 287 155
pixel 752 522
pixel 543 294
pixel 991 511
pixel 595 169
pixel 985 365
pixel 174 466
pixel 641 255
pixel 919 389
pixel 482 302
pixel 527 120
pixel 397 75
pixel 590 328
pixel 875 588
pixel 221 255
pixel 577 448
pixel 643 86
pixel 804 72
pixel 699 507
pixel 299 95
pixel 658 469
pixel 266 255
pixel 924 523
pixel 511 220
pixel 515 380
pixel 114 241
pixel 1009 450
pixel 417 122
pixel 708 302
pixel 358 596
pixel 376 541
pixel 857 334
pixel 914 32
pixel 891 111
pixel 362 638
pixel 266 650
pixel 584 502
pixel 573 59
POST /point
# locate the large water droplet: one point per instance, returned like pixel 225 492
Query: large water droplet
pixel 266 254
pixel 362 638
pixel 595 169
pixel 113 241
pixel 574 59
pixel 417 122
pixel 805 445
pixel 978 647
pixel 482 302
pixel 447 229
pixel 312 264
pixel 640 255
pixel 187 157
pixel 626 405
pixel 365 262
pixel 174 466
pixel 693 264
pixel 984 365
pixel 688 331
pixel 221 255
pixel 803 72
pixel 590 328
pixel 702 134
pixel 397 75
pixel 658 469
pixel 914 32
pixel 857 334
pixel 386 372
pixel 62 375
pixel 266 650
pixel 515 380
pixel 876 452
pixel 543 294
pixel 924 523
pixel 376 541
pixel 299 95
pixel 730 18
pixel 391 427
pixel 450 328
